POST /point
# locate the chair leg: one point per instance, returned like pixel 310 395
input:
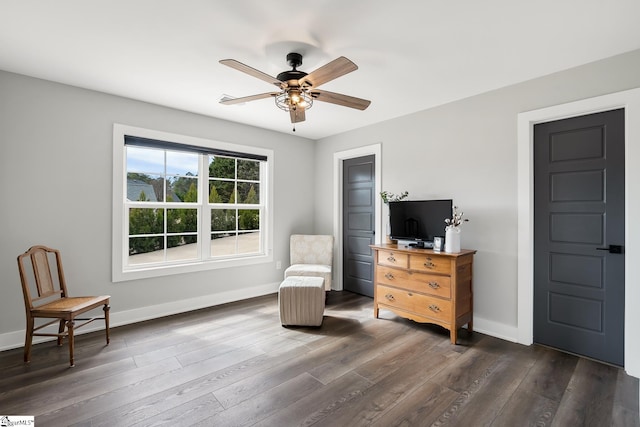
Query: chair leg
pixel 28 339
pixel 60 331
pixel 70 333
pixel 106 309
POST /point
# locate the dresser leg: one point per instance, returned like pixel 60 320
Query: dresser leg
pixel 454 336
pixel 470 326
pixel 376 310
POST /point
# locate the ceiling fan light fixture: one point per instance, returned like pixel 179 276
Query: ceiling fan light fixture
pixel 290 99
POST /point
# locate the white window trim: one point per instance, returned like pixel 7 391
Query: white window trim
pixel 119 274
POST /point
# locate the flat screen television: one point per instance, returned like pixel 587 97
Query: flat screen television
pixel 419 220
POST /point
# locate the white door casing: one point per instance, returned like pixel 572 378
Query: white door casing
pixel 630 101
pixel 338 158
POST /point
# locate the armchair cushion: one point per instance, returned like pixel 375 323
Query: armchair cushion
pixel 311 256
pixel 311 249
pixel 311 270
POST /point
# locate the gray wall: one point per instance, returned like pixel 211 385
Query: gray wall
pixel 56 181
pixel 467 150
pixel 56 175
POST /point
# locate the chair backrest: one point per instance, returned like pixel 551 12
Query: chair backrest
pixel 311 249
pixel 37 275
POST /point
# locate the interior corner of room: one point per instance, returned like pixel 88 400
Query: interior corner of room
pixel 57 173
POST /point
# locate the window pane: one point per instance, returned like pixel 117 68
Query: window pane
pixel 145 188
pixel 221 192
pixel 248 169
pixel 182 220
pixel 182 189
pixel 249 193
pixel 184 250
pixel 248 219
pixel 243 243
pixel 249 242
pixel 223 220
pixel 182 163
pixel 143 250
pixel 223 245
pixel 146 221
pixel 145 160
pixel 222 167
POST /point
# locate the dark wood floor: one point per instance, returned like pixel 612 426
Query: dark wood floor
pixel 234 365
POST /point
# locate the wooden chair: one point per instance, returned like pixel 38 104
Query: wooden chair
pixel 53 300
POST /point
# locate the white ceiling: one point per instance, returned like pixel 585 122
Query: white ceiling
pixel 412 54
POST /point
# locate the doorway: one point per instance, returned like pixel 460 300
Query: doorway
pixel 339 158
pixel 630 101
pixel 358 224
pixel 579 231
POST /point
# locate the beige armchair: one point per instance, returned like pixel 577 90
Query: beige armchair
pixel 311 255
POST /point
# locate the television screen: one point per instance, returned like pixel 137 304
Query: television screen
pixel 419 220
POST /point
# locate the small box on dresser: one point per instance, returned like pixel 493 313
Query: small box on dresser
pixel 425 286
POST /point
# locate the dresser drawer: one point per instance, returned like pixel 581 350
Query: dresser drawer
pixel 417 303
pixel 430 263
pixel 392 258
pixel 431 284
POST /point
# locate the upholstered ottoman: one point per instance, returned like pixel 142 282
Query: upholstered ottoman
pixel 301 300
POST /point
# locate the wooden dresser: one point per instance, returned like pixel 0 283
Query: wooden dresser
pixel 425 286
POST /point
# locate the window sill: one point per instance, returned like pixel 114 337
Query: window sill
pixel 167 270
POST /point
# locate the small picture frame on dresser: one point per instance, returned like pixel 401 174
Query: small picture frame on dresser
pixel 437 244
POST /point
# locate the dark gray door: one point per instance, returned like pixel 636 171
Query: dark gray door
pixel 579 235
pixel 358 221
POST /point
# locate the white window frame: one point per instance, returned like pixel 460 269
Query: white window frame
pixel 120 271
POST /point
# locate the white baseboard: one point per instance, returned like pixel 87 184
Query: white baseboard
pixel 495 329
pixel 15 339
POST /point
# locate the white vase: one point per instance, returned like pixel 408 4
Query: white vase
pixel 388 234
pixel 452 239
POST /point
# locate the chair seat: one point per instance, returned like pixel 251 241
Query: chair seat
pixel 311 270
pixel 70 305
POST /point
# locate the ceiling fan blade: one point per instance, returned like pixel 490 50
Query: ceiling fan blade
pixel 251 71
pixel 340 99
pixel 334 69
pixel 247 98
pixel 297 115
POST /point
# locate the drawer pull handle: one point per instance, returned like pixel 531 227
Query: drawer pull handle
pixel 429 264
pixel 389 297
pixel 434 308
pixel 433 285
pixel 391 258
pixel 389 276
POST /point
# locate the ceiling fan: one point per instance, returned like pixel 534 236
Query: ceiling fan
pixel 297 89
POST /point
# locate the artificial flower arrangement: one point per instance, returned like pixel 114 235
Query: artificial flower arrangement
pixel 456 221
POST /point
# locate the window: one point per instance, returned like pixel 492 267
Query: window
pixel 185 204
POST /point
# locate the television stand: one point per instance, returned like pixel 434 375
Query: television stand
pixel 425 286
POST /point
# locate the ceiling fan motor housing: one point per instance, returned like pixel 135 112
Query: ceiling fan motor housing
pixel 294 60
